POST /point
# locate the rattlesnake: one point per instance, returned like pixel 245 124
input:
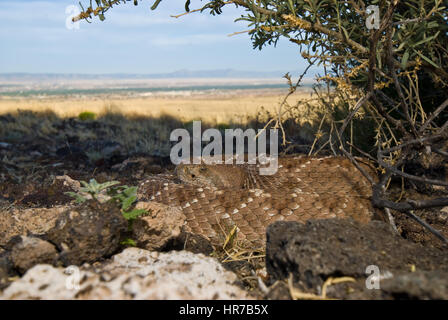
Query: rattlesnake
pixel 215 198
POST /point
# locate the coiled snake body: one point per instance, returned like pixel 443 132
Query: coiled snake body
pixel 215 198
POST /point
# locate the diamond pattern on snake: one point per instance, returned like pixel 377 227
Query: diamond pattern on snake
pixel 215 198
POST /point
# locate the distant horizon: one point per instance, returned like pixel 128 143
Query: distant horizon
pixel 220 75
pixel 193 72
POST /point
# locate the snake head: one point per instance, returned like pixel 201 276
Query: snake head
pixel 216 176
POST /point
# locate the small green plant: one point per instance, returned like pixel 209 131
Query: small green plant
pixel 124 195
pixel 93 188
pixel 78 197
pixel 128 242
pixel 87 115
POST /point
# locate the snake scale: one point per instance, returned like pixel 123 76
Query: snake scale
pixel 216 198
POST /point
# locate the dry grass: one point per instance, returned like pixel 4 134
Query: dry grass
pixel 144 124
pixel 210 109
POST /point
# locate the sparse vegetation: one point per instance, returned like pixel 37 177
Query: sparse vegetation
pixel 87 115
pixel 128 242
pixel 125 196
pixel 93 188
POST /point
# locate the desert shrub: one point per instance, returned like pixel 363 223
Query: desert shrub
pixel 87 115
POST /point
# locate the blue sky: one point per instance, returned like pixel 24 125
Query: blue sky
pixel 34 38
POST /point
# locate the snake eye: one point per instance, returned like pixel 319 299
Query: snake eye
pixel 203 169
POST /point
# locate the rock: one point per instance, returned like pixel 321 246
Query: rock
pixel 431 285
pixel 162 229
pixel 43 281
pixel 56 192
pixel 12 191
pixel 6 269
pixel 88 232
pixel 37 221
pixel 66 182
pixel 320 249
pixel 278 291
pixel 160 226
pixel 132 274
pixel 26 252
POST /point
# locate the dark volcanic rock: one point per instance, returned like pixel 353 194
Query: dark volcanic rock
pixel 320 249
pixel 6 269
pixel 418 285
pixel 88 232
pixel 278 291
pixel 26 252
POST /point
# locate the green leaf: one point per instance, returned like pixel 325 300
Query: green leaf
pixel 85 184
pixel 404 60
pixel 402 44
pixel 128 242
pixel 106 185
pixel 93 182
pixel 426 40
pixel 378 58
pixel 432 24
pixel 130 191
pixel 134 214
pixel 291 7
pixel 128 202
pixel 79 199
pixel 427 59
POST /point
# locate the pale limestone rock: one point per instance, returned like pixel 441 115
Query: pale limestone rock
pixel 132 274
